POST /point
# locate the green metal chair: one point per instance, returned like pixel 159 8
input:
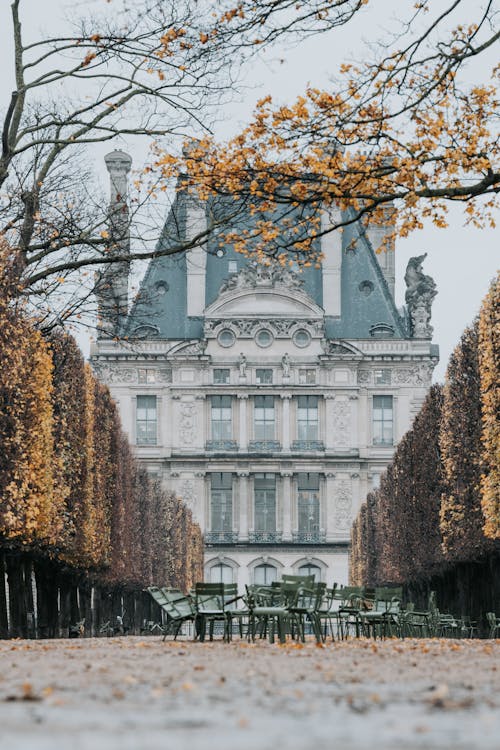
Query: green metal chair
pixel 178 608
pixel 351 602
pixel 306 607
pixel 494 624
pixel 327 611
pixel 383 617
pixel 212 602
pixel 271 611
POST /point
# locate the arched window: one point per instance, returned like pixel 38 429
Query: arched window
pixel 264 575
pixel 221 573
pixel 309 569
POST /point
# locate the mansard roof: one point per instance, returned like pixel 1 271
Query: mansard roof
pixel 160 309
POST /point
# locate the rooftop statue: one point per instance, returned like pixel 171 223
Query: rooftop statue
pixel 420 293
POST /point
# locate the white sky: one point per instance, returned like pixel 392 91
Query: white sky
pixel 461 260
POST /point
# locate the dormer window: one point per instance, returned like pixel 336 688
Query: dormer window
pixel 382 331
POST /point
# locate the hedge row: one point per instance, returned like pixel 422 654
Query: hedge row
pixel 438 504
pixel 70 488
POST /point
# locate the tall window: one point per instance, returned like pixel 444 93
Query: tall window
pixel 222 502
pixel 221 573
pixel 264 417
pixel 382 420
pixel 264 575
pixel 221 418
pixel 146 420
pixel 265 502
pixel 309 569
pixel 307 418
pixel 308 503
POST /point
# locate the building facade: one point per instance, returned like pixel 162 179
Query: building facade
pixel 269 399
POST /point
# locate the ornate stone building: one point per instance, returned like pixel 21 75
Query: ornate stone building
pixel 270 400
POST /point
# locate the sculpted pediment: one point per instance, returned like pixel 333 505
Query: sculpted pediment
pixel 263 292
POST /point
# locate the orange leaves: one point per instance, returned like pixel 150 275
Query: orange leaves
pixel 88 59
pixel 489 339
pixel 68 480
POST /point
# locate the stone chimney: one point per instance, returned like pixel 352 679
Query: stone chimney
pixel 385 251
pixel 112 280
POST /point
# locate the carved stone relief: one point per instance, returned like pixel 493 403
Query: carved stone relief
pixel 418 375
pixel 114 373
pixel 364 377
pixel 256 275
pixel 343 506
pixel 165 375
pixel 186 491
pixel 246 327
pixel 341 422
pixel 187 423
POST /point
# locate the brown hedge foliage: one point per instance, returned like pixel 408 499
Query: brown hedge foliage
pixel 397 536
pixel 69 485
pixel 489 358
pixel 460 441
pixel 439 500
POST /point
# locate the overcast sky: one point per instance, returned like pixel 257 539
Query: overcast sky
pixel 461 260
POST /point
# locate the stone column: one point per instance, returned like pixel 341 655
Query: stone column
pixel 243 442
pixel 286 493
pixel 331 246
pixel 329 432
pixel 133 431
pixel 243 505
pixel 285 442
pixel 159 420
pixel 354 442
pixel 330 506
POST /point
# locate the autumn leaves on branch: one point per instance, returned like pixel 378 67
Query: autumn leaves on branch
pixel 70 488
pixel 439 500
pixel 401 126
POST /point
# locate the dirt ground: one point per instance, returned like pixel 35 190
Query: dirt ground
pixel 132 693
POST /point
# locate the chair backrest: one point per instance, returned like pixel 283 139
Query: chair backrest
pixel 209 596
pixel 351 594
pixel 388 599
pixel 182 604
pixel 215 596
pixel 311 596
pixel 306 580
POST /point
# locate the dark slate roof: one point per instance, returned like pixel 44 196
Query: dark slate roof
pixel 361 311
pixel 162 314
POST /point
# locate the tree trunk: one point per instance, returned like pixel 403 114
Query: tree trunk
pixel 4 620
pixel 47 604
pixel 17 597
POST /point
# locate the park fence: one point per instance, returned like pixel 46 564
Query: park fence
pixel 41 598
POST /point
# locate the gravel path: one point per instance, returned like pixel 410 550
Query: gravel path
pixel 131 693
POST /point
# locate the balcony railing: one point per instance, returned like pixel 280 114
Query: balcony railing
pixel 221 445
pixel 264 446
pixel 309 537
pixel 221 537
pixel 308 445
pixel 265 537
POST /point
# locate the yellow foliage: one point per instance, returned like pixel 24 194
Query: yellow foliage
pixel 489 339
